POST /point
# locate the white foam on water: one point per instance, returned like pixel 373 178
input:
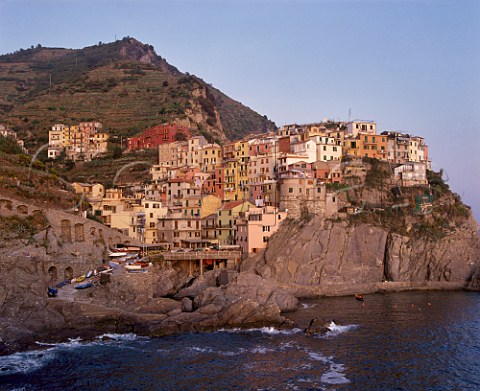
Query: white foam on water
pixel 335 375
pixel 263 330
pixel 262 350
pixel 120 337
pixel 307 305
pixel 335 329
pixel 72 343
pixel 319 357
pixel 25 362
pixel 199 349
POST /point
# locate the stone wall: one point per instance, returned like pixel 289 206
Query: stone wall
pixel 70 245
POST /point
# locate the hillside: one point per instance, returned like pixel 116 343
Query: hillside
pixel 123 84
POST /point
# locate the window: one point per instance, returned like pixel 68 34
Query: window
pixel 152 225
pixel 290 190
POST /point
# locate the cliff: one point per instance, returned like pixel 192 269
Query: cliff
pixel 324 257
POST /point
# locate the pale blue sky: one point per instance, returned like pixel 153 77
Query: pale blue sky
pixel 410 65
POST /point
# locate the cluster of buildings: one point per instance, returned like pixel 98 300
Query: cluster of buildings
pixel 158 135
pixel 84 141
pixel 203 194
pixel 5 131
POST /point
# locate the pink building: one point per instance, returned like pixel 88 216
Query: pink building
pixel 255 227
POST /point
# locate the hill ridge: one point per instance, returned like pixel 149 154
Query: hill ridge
pixel 124 84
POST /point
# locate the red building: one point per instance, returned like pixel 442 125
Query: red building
pixel 160 134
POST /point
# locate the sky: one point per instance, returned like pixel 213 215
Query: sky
pixel 410 65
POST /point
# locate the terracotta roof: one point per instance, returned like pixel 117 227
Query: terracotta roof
pixel 232 204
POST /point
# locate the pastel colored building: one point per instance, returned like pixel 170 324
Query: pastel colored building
pixel 357 126
pixel 256 226
pixel 227 215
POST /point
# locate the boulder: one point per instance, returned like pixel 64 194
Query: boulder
pixel 187 304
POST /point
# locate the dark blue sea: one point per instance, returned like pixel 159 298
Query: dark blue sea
pixel 402 341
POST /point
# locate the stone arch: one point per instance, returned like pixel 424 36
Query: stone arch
pixel 7 204
pixel 22 209
pixel 93 230
pixel 53 273
pixel 68 273
pixel 66 230
pixel 79 233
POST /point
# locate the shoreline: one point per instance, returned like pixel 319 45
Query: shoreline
pixel 115 321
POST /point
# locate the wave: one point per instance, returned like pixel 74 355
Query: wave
pixel 72 342
pixel 334 374
pixel 25 362
pixel 120 337
pixel 308 305
pixel 335 329
pixel 263 330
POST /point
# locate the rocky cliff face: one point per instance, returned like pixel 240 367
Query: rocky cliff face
pixel 325 257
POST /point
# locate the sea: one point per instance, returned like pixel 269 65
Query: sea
pixel 398 341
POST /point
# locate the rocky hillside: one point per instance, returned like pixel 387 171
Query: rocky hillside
pixel 123 84
pixel 342 258
pixel 387 241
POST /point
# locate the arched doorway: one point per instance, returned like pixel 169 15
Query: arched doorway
pixel 52 273
pixel 68 273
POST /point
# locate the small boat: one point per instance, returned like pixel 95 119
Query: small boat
pixel 84 286
pixel 359 298
pixel 80 279
pixel 89 274
pixel 113 264
pixel 117 254
pixel 62 284
pixel 52 292
pixel 137 270
pixel 133 267
pixel 106 271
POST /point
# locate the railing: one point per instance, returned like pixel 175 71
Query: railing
pixel 197 255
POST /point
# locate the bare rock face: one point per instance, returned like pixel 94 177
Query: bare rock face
pixel 248 286
pixel 322 253
pixel 322 257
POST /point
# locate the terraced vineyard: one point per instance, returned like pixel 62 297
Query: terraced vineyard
pixel 124 84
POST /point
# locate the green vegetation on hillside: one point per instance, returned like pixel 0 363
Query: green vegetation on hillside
pixel 123 84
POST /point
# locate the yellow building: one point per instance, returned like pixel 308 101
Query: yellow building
pixel 373 146
pixel 211 157
pixel 227 214
pixel 230 175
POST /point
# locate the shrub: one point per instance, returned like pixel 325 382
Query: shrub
pixel 9 145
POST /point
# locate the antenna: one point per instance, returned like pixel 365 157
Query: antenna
pixel 349 113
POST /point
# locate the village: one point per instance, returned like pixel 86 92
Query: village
pixel 204 195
